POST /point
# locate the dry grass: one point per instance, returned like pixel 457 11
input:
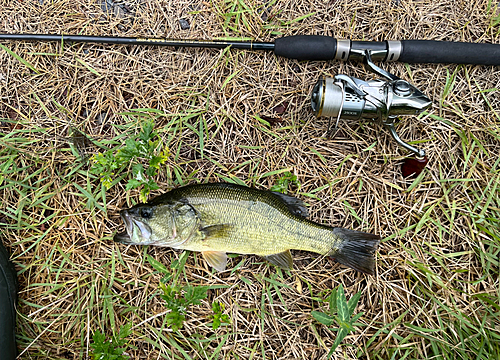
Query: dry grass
pixel 436 292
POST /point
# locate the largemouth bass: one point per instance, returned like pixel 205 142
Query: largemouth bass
pixel 219 218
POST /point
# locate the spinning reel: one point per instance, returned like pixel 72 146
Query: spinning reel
pixel 380 100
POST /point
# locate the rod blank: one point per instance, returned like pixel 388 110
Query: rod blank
pixel 314 47
pixel 219 44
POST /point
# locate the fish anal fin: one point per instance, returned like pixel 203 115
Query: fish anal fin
pixel 294 205
pixel 216 259
pixel 283 259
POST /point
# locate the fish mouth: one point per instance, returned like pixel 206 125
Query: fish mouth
pixel 124 237
pixel 136 231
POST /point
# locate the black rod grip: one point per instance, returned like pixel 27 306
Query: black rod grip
pixel 306 47
pixel 448 52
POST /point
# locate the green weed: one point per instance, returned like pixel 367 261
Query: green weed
pixel 146 147
pixel 162 269
pixel 286 180
pixel 218 317
pixel 178 299
pixel 340 312
pixel 113 348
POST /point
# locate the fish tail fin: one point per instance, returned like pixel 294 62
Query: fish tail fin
pixel 356 249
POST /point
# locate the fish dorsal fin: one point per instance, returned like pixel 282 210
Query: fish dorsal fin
pixel 294 205
pixel 282 259
pixel 216 259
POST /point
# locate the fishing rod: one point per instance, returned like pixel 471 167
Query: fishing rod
pixel 342 97
pixel 314 47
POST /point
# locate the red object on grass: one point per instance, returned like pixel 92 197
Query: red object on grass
pixel 413 166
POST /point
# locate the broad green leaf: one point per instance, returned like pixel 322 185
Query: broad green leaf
pixel 342 308
pixel 353 301
pixel 132 184
pixel 342 333
pixel 322 318
pixel 356 317
pixel 345 324
pixel 333 301
pixel 125 331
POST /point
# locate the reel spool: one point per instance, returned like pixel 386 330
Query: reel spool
pixel 382 100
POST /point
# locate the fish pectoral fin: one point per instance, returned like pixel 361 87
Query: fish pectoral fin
pixel 216 259
pixel 294 205
pixel 282 259
pixel 220 230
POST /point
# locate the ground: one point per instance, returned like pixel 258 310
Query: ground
pixel 245 117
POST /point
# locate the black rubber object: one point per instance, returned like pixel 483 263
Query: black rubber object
pixel 8 299
pixel 447 52
pixel 306 47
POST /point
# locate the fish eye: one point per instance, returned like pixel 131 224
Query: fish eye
pixel 146 213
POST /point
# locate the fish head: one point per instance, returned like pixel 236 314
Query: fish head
pixel 142 226
pixel 161 225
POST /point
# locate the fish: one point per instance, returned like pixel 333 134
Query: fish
pixel 220 218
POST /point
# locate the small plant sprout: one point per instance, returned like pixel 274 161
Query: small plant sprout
pixel 288 179
pixel 340 312
pixel 218 317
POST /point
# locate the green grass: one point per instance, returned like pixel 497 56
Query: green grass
pixel 460 324
pixel 113 349
pixel 449 331
pixel 436 293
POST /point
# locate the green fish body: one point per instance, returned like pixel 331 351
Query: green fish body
pixel 219 218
